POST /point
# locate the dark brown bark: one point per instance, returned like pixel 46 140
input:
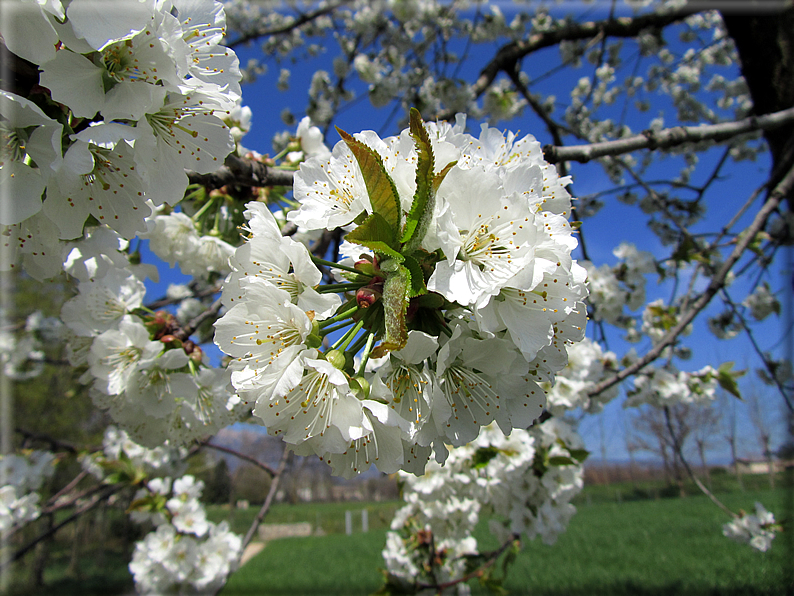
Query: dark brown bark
pixel 764 39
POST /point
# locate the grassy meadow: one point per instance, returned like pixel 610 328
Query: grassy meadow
pixel 619 542
pixel 643 547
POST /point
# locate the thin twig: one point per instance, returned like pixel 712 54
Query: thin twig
pixel 783 188
pixel 21 552
pixel 687 467
pixel 243 456
pixel 268 500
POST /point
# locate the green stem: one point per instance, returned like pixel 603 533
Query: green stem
pixel 342 315
pixel 197 216
pixel 365 355
pixel 333 328
pixel 343 287
pixel 358 344
pixel 320 261
pixel 344 341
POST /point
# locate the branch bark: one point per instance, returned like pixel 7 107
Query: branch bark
pixel 670 137
pixel 240 171
pixel 513 52
pixel 296 24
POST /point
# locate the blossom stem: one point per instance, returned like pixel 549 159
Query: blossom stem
pixel 343 287
pixel 333 328
pixel 366 353
pixel 358 344
pixel 344 341
pixel 198 214
pixel 319 261
pixel 341 316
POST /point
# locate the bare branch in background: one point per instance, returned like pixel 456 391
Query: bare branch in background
pixel 670 137
pixel 717 282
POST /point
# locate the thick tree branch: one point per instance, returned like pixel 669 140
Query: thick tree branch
pixel 717 282
pixel 240 171
pixel 670 137
pixel 513 52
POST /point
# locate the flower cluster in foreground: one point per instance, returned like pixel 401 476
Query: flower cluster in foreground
pixel 122 108
pixel 455 298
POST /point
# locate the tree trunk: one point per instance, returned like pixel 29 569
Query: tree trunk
pixel 765 42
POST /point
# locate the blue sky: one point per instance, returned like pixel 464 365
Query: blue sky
pixel 603 232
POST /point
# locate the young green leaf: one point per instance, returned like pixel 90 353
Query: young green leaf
pixel 395 304
pixel 424 195
pixel 417 286
pixel 381 189
pixel 375 233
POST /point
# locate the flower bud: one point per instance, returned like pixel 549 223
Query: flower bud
pixel 366 297
pixel 360 387
pixel 336 358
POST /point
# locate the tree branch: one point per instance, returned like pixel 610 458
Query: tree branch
pixel 271 493
pixel 717 282
pixel 243 456
pixel 513 52
pixel 296 24
pixel 241 171
pixel 677 448
pixel 669 137
pixel 44 535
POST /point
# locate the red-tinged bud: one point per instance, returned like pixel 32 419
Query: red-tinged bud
pixel 366 297
pixel 189 345
pixel 168 339
pixel 197 354
pixel 367 265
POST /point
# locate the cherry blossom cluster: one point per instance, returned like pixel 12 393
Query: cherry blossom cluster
pixel 524 482
pixel 122 108
pixel 613 288
pixel 155 386
pixel 456 285
pixel 668 386
pixel 22 356
pixel 185 553
pixel 20 477
pixel 756 529
pixel 587 364
pixel 117 446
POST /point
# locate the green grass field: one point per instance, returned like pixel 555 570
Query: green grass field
pixel 647 547
pixel 651 547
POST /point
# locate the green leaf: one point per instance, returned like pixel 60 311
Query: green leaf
pixel 375 233
pixel 726 377
pixel 380 187
pixel 395 304
pixel 579 454
pixel 424 197
pixel 439 178
pixel 483 455
pixel 561 460
pixel 417 286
